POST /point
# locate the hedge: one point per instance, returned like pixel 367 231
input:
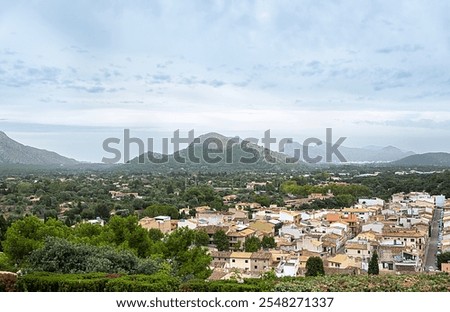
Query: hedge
pixel 95 282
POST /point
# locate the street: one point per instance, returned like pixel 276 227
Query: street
pixel 430 257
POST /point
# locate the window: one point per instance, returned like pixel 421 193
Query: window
pixel 359 251
pixel 233 260
pixel 413 240
pixel 246 261
pixel 256 267
pixel 368 252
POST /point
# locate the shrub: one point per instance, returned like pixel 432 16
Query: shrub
pixel 96 282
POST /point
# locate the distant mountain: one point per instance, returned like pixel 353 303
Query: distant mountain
pixel 427 159
pixel 370 154
pixel 215 152
pixel 12 152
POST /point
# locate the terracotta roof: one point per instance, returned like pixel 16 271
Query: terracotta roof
pixel 333 217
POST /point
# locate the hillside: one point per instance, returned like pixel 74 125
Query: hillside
pixel 427 159
pixel 12 152
pixel 353 154
pixel 215 152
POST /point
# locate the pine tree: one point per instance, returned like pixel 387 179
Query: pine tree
pixel 373 264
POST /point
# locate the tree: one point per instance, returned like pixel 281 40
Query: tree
pixel 102 210
pixel 373 264
pixel 28 234
pixel 3 228
pixel 314 267
pixel 268 242
pixel 161 210
pixel 443 258
pixel 220 239
pixel 252 244
pixel 201 238
pixel 155 234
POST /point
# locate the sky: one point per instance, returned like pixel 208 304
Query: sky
pixel 74 73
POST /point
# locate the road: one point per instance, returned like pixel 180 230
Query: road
pixel 430 258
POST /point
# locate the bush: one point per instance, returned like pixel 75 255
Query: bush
pixel 249 285
pixel 97 282
pixel 5 264
pixel 61 256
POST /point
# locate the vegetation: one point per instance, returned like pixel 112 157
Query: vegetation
pixel 443 258
pixel 220 239
pixel 252 244
pixel 367 283
pixel 374 269
pixel 97 282
pixel 40 281
pixel 122 246
pixel 314 267
pixel 43 226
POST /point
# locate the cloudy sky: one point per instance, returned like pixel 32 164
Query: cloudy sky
pixel 73 73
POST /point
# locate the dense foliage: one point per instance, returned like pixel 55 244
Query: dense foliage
pixel 314 267
pixel 121 246
pixel 374 268
pixel 161 282
pixel 367 283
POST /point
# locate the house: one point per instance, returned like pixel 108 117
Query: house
pixel 291 230
pixel 289 267
pixel 255 263
pixel 260 261
pixel 340 261
pixel 411 238
pixel 263 227
pixel 189 223
pixel 407 262
pixel 97 221
pixel 288 216
pixel 120 195
pixel 371 201
pixel 162 223
pixel 211 230
pixel 238 235
pixel 445 267
pixel 358 248
pixel 373 226
pixel 210 217
pixel 240 260
pixel 362 214
pixel 310 243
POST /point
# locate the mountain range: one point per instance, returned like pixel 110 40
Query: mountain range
pixel 213 151
pixel 12 152
pixel 371 154
pixel 427 159
pixel 225 154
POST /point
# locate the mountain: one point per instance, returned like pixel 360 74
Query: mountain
pixel 427 159
pixel 12 152
pixel 215 152
pixel 370 154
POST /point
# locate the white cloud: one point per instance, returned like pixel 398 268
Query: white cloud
pixel 233 67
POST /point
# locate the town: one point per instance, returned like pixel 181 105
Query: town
pixel 252 224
